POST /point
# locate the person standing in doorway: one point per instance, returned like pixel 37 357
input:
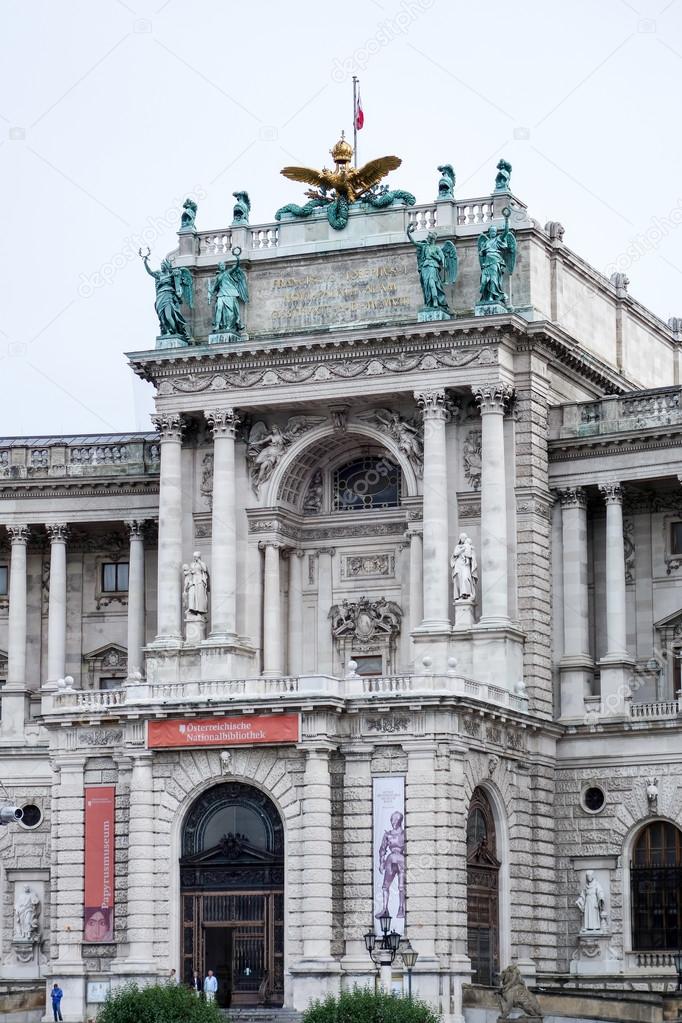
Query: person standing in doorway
pixel 210 986
pixel 56 994
pixel 195 983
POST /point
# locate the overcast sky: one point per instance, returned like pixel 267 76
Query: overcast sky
pixel 112 111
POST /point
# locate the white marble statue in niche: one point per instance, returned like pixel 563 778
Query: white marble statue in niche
pixel 27 915
pixel 464 569
pixel 592 904
pixel 196 585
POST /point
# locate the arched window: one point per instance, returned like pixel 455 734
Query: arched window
pixel 483 869
pixel 656 888
pixel 366 484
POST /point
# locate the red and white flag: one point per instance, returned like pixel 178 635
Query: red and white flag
pixel 359 113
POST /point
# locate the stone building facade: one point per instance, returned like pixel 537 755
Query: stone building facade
pixel 323 467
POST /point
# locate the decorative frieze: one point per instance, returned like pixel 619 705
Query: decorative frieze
pixel 354 566
pixel 471 454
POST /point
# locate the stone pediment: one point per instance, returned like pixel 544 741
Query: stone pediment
pixel 670 627
pixel 110 656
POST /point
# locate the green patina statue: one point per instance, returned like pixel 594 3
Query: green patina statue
pixel 380 198
pixel 189 215
pixel 437 265
pixel 300 211
pixel 173 288
pixel 446 184
pixel 503 178
pixel 228 288
pixel 242 208
pixel 497 255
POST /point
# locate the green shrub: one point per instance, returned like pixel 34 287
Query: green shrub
pixel 162 1003
pixel 362 1005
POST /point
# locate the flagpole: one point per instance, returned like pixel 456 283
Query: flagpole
pixel 355 121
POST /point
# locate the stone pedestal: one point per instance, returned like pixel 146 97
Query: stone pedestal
pixel 490 309
pixel 195 628
pixel 227 337
pixel 594 955
pixel 464 612
pixel 521 1018
pixel 171 341
pixel 427 313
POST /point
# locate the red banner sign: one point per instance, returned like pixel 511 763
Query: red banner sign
pixel 98 916
pixel 249 730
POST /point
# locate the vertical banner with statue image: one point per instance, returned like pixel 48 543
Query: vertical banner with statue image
pixel 388 804
pixel 98 912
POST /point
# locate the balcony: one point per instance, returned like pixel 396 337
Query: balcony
pixel 658 408
pixel 135 694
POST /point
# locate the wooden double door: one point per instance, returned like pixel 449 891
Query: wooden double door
pixel 239 935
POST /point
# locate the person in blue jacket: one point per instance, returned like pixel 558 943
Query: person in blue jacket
pixel 56 994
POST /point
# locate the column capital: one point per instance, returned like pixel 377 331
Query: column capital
pixel 292 552
pixel 57 531
pixel 222 421
pixel 432 403
pixel 19 534
pixel 492 397
pixel 135 528
pixel 331 551
pixel 573 497
pixel 276 544
pixel 169 426
pixel 612 492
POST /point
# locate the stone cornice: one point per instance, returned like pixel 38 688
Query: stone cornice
pixel 654 438
pixel 71 487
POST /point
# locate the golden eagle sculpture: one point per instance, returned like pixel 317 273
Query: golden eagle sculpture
pixel 347 185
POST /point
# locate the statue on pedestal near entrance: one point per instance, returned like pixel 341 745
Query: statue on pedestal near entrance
pixel 196 586
pixel 592 903
pixel 27 915
pixel 436 265
pixel 464 569
pixel 228 288
pixel 173 287
pixel 497 256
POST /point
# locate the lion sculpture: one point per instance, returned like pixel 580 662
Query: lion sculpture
pixel 515 995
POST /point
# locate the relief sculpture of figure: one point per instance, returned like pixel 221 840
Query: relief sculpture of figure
pixel 496 255
pixel 464 569
pixel 392 863
pixel 436 265
pixel 265 446
pixel 27 915
pixel 228 288
pixel 173 287
pixel 196 585
pixel 592 903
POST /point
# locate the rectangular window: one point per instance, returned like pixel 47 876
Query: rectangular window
pixel 676 537
pixel 369 665
pixel 110 683
pixel 4 580
pixel 115 577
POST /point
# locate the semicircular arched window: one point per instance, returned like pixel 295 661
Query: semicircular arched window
pixel 656 888
pixel 366 484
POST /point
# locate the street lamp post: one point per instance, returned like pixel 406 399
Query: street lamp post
pixel 383 950
pixel 409 957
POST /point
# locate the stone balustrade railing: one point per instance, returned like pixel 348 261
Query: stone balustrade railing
pixel 658 961
pixel 137 692
pixel 464 213
pixel 617 414
pixel 661 711
pixel 81 456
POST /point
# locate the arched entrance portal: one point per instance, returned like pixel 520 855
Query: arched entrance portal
pixel 483 870
pixel 232 893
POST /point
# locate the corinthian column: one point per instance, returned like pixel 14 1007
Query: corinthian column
pixel 136 630
pixel 272 612
pixel 576 666
pixel 295 612
pixel 14 692
pixel 616 665
pixel 56 611
pixel 16 638
pixel 223 423
pixel 435 572
pixel 492 400
pixel 169 589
